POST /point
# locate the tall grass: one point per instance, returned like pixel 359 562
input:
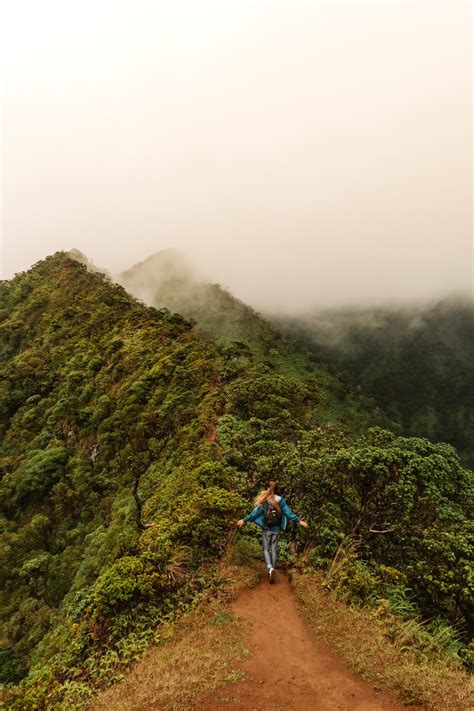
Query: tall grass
pixel 389 645
pixel 345 555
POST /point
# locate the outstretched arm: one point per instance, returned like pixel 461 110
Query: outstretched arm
pixel 250 517
pixel 290 514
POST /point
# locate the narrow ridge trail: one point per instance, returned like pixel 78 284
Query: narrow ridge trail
pixel 287 668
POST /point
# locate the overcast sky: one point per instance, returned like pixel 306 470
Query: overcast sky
pixel 299 152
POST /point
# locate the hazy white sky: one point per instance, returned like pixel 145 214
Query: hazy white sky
pixel 299 152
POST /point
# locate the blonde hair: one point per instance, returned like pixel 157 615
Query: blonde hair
pixel 268 495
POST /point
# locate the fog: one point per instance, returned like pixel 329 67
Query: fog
pixel 299 153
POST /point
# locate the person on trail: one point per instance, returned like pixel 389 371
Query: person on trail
pixel 271 513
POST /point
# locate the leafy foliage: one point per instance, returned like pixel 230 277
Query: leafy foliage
pixel 130 445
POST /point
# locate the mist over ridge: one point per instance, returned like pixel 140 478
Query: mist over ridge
pixel 172 276
pixel 274 290
pixel 172 265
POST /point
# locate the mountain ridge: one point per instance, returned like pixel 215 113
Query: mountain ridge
pixel 107 406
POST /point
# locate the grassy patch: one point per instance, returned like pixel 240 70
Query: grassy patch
pixel 362 639
pixel 200 652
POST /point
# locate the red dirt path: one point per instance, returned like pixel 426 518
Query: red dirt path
pixel 287 669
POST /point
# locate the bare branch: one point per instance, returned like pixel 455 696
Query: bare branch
pixel 382 527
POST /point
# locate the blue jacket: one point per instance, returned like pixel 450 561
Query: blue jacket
pixel 256 516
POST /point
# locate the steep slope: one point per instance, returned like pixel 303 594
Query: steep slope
pixel 115 416
pixel 97 391
pixel 417 363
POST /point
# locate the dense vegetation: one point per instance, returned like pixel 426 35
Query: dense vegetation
pixel 116 416
pixel 417 363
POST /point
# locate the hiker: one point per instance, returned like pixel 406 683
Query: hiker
pixel 270 513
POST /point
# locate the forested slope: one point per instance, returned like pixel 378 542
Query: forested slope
pixel 116 416
pixel 417 363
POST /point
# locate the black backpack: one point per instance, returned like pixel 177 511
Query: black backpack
pixel 271 514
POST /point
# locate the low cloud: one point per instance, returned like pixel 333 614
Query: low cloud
pixel 300 154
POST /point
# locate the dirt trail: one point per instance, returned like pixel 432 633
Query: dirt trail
pixel 287 668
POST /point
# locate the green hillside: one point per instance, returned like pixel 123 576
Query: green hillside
pixel 130 443
pixel 417 363
pixel 166 280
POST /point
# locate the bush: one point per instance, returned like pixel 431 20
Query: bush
pixel 127 581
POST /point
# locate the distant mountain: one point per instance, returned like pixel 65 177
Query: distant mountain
pixel 417 363
pixel 166 280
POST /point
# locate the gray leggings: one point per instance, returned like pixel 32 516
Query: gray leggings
pixel 270 547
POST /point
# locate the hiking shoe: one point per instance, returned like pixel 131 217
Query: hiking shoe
pixel 271 576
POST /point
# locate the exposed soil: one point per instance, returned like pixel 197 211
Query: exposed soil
pixel 211 433
pixel 287 668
